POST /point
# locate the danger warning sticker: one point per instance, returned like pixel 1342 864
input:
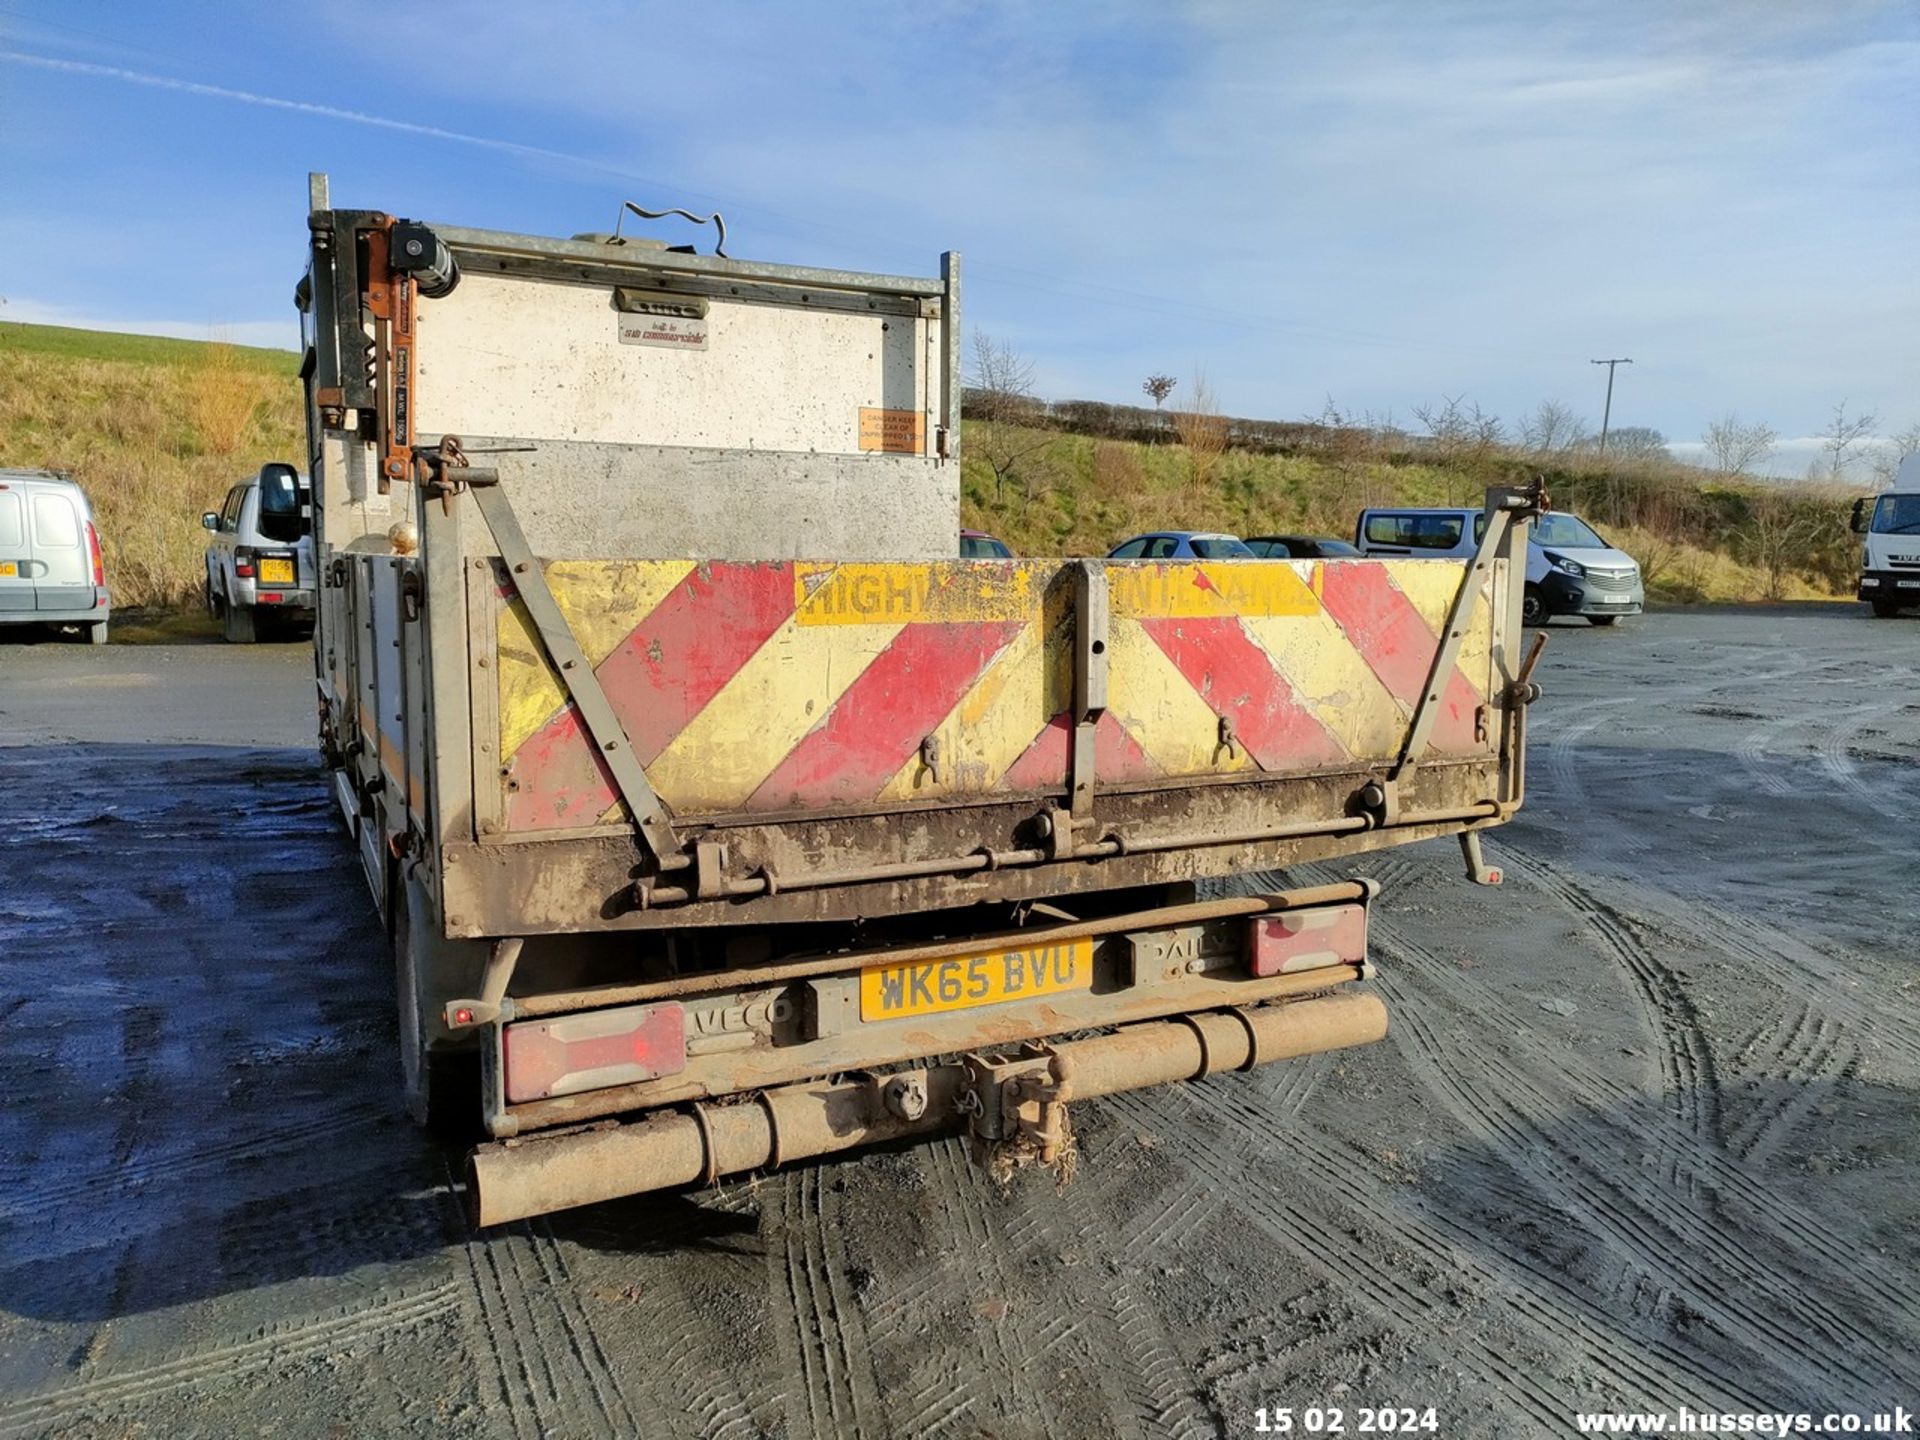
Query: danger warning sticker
pixel 899 432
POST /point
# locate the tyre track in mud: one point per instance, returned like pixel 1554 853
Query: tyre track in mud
pixel 1333 1245
pixel 1564 738
pixel 1795 1047
pixel 1803 971
pixel 825 1338
pixel 1539 1295
pixel 1837 763
pixel 970 1251
pixel 269 1349
pixel 1675 1231
pixel 677 1365
pixel 1736 1185
pixel 1155 1387
pixel 551 1373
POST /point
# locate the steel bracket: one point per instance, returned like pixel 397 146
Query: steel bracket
pixel 487 1007
pixel 1019 1103
pixel 1478 871
pixel 1091 631
pixel 1505 505
pixel 650 816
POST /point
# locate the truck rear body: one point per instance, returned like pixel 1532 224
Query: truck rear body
pixel 688 764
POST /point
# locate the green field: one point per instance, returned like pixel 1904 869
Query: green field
pixel 158 429
pixel 138 349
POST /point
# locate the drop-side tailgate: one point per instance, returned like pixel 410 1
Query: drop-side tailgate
pixel 790 688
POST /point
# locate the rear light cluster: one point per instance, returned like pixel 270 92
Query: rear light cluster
pixel 543 1058
pixel 98 561
pixel 1297 940
pixel 243 563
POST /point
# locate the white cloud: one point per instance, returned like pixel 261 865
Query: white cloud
pixel 271 334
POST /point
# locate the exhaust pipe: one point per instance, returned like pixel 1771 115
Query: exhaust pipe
pixel 519 1178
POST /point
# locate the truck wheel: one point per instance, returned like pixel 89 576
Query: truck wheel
pixel 236 625
pixel 1885 609
pixel 442 1088
pixel 1602 619
pixel 1533 607
pixel 97 633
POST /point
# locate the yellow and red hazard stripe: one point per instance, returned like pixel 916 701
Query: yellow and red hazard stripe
pixel 784 686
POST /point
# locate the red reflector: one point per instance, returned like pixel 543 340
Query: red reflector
pixel 270 597
pixel 592 1051
pixel 1308 939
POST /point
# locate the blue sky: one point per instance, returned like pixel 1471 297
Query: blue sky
pixel 1383 203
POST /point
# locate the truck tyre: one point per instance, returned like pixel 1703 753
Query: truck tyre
pixel 1533 607
pixel 236 624
pixel 442 1087
pixel 1885 609
pixel 97 633
pixel 1602 619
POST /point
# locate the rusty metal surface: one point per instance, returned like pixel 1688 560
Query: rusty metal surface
pixel 732 1072
pixel 587 882
pixel 515 1180
pixel 560 1002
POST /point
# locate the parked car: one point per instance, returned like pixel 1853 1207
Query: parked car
pixel 52 571
pixel 1300 547
pixel 260 560
pixel 1570 569
pixel 1182 545
pixel 978 545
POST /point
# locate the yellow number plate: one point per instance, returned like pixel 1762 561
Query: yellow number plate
pixel 9 568
pixel 928 987
pixel 276 572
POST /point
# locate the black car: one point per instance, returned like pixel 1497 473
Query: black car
pixel 1300 547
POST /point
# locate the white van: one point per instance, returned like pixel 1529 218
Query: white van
pixel 1570 569
pixel 51 568
pixel 1890 554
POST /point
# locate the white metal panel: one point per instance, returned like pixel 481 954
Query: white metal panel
pixel 542 359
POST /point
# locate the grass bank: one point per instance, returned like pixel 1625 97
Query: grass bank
pixel 158 429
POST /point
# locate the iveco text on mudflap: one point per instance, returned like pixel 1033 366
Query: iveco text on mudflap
pixel 725 818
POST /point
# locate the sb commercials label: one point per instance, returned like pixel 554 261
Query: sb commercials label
pixel 669 332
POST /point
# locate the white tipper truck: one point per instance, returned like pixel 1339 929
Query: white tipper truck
pixel 1889 524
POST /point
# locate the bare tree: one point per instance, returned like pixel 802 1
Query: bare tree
pixel 1458 428
pixel 1637 442
pixel 1000 393
pixel 1553 426
pixel 1203 430
pixel 1737 446
pixel 999 378
pixel 1839 438
pixel 1776 536
pixel 1159 387
pixel 1885 457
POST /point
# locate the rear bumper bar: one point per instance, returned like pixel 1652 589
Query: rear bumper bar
pixel 516 1179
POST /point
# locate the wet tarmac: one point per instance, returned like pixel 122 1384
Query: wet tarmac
pixel 1643 1135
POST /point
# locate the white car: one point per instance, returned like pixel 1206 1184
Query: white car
pixel 1570 569
pixel 260 560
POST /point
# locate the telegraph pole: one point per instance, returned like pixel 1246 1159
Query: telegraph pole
pixel 1607 414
